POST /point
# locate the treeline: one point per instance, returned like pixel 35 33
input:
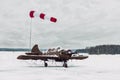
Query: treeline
pixel 13 49
pixel 101 49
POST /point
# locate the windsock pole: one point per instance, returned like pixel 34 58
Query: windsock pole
pixel 30 41
pixel 30 35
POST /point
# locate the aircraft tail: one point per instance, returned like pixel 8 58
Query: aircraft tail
pixel 35 51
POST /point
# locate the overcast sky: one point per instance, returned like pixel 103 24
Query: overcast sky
pixel 81 23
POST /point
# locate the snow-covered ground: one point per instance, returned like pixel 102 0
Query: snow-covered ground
pixel 96 67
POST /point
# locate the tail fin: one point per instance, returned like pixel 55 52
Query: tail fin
pixel 35 49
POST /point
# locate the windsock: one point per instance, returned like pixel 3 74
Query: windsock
pixel 43 16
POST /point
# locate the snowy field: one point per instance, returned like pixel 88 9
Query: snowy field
pixel 96 67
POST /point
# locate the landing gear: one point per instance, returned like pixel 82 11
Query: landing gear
pixel 65 64
pixel 45 64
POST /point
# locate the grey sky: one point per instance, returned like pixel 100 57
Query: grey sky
pixel 81 23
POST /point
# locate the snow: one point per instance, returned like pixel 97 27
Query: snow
pixel 96 67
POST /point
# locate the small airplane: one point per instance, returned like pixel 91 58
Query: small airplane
pixel 58 55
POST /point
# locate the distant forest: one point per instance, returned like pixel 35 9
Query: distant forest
pixel 101 49
pixel 14 49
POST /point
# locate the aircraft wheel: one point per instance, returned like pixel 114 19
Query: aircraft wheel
pixel 65 65
pixel 45 64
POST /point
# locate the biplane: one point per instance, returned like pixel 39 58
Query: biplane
pixel 56 55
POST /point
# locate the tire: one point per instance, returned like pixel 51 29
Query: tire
pixel 45 64
pixel 65 65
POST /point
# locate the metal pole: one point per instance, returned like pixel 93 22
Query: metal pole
pixel 30 34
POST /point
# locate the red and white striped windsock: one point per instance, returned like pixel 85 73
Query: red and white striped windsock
pixel 43 16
